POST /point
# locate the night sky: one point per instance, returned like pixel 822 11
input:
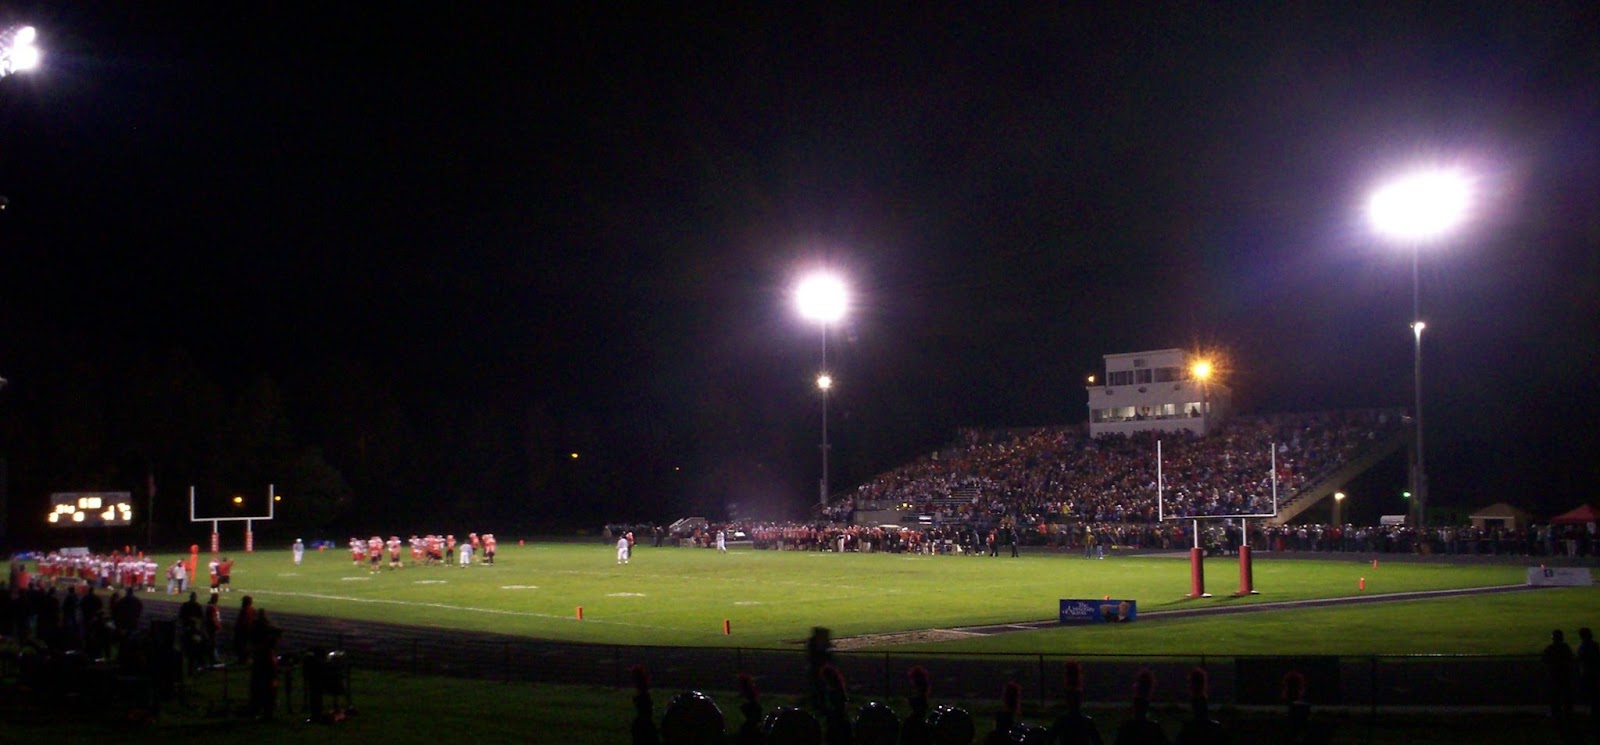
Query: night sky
pixel 541 231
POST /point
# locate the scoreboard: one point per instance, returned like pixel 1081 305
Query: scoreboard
pixel 86 508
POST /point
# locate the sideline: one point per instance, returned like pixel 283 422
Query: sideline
pixel 902 637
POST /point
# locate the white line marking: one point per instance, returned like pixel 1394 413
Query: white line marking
pixel 446 606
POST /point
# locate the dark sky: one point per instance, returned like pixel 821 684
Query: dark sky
pixel 601 215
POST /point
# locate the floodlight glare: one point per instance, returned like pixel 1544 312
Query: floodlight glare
pixel 825 381
pixel 1421 205
pixel 17 52
pixel 1201 370
pixel 821 298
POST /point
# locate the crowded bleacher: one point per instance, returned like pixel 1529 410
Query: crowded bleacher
pixel 1056 473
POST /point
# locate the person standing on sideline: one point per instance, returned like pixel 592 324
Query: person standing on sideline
pixel 1589 676
pixel 244 628
pixel 722 541
pixel 213 630
pixel 216 580
pixel 622 550
pixel 1558 659
pixel 299 550
pixel 819 654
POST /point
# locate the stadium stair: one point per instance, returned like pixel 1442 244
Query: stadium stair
pixel 1325 485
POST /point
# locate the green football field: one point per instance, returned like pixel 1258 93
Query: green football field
pixel 682 596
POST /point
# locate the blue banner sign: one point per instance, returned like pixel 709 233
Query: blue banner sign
pixel 1098 611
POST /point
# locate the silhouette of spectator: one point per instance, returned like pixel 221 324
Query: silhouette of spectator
pixel 788 724
pixel 644 713
pixel 243 627
pixel 1558 659
pixel 125 615
pixel 951 725
pixel 191 631
pixel 836 708
pixel 914 730
pixel 1589 676
pixel 212 629
pixel 264 668
pixel 1298 731
pixel 1010 711
pixel 750 729
pixel 1202 729
pixel 1140 729
pixel 1074 727
pixel 5 609
pixel 876 724
pixel 692 718
pixel 819 653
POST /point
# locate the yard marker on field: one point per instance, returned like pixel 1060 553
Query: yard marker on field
pixel 727 628
pixel 580 613
pixel 1361 584
pixel 1374 563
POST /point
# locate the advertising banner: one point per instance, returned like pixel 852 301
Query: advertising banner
pixel 1098 611
pixel 1560 577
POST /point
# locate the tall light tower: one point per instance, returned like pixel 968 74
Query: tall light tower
pixel 1416 209
pixel 822 298
pixel 17 54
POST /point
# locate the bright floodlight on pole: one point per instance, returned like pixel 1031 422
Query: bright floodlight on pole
pixel 17 50
pixel 1420 207
pixel 821 297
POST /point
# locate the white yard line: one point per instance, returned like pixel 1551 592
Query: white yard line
pixel 446 606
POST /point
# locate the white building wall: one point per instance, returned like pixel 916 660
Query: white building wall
pixel 1155 391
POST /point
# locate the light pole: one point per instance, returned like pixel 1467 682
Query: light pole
pixel 1418 208
pixel 822 298
pixel 1338 502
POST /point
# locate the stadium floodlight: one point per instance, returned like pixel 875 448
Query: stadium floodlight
pixel 1422 205
pixel 822 297
pixel 1201 370
pixel 17 50
pixel 1419 207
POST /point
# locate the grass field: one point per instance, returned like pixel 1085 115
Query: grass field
pixel 681 596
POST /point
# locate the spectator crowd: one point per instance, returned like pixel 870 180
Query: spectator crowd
pixel 1059 472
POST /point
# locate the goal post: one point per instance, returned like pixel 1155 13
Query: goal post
pixel 248 520
pixel 1197 572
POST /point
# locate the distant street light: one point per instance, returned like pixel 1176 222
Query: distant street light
pixel 822 298
pixel 1417 208
pixel 17 50
pixel 1338 502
